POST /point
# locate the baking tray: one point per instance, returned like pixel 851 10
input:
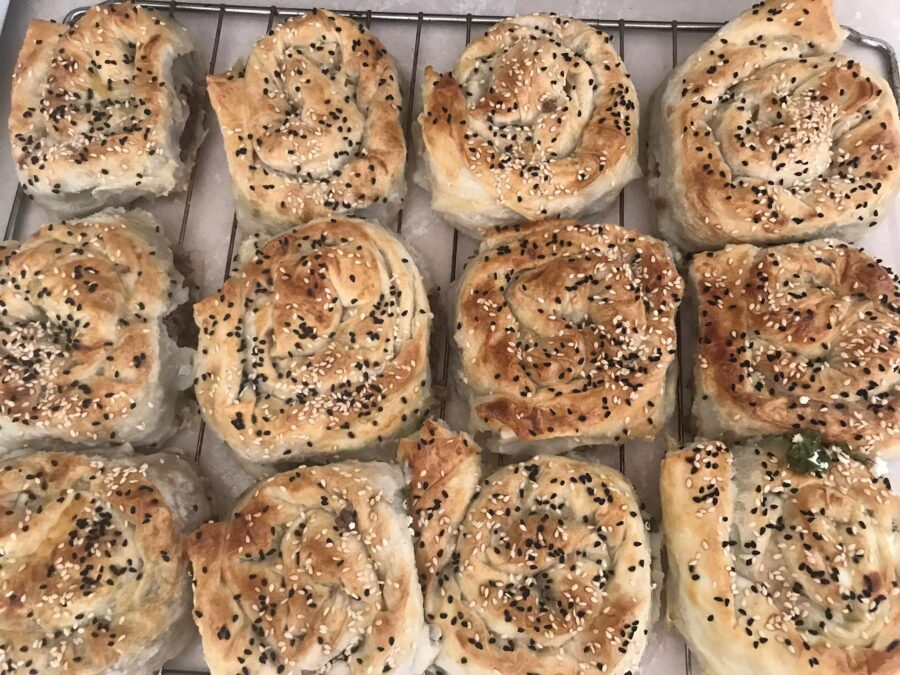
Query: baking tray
pixel 201 222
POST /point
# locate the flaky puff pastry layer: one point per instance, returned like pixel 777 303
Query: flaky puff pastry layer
pixel 765 134
pixel 537 120
pixel 311 124
pixel 316 345
pixel 313 572
pixel 93 577
pixel 85 352
pixel 776 571
pixel 107 110
pixel 543 567
pixel 566 334
pixel 798 336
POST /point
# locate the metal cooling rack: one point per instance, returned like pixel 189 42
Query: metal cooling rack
pixel 421 23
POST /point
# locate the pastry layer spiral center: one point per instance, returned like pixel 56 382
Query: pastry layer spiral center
pixel 324 313
pixel 813 550
pixel 310 123
pixel 532 101
pixel 815 330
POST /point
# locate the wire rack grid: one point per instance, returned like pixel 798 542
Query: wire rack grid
pixel 218 23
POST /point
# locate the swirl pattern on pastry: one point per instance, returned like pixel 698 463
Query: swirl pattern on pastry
pixel 766 135
pixel 311 125
pixel 93 576
pixel 566 334
pixel 314 572
pixel 107 110
pixel 318 345
pixel 84 352
pixel 798 336
pixel 545 568
pixel 774 570
pixel 538 120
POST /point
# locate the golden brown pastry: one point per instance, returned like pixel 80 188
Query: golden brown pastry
pixel 799 336
pixel 314 572
pixel 766 135
pixel 93 576
pixel 566 334
pixel 85 354
pixel 542 568
pixel 783 558
pixel 311 124
pixel 537 120
pixel 317 345
pixel 444 472
pixel 107 110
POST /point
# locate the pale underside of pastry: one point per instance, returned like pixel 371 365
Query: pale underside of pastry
pixel 537 120
pixel 107 110
pixel 317 345
pixel 314 572
pixel 93 575
pixel 766 134
pixel 311 124
pixel 544 567
pixel 85 353
pixel 782 562
pixel 566 334
pixel 798 336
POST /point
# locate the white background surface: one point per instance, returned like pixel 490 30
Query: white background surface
pixel 648 56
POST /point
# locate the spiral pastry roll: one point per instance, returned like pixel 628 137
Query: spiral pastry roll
pixel 311 124
pixel 766 135
pixel 543 569
pixel 314 572
pixel 783 558
pixel 318 345
pixel 566 333
pixel 798 336
pixel 85 353
pixel 93 575
pixel 107 110
pixel 538 119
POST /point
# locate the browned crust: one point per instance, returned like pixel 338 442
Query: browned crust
pixel 83 304
pixel 740 630
pixel 444 472
pixel 538 377
pixel 250 102
pixel 93 566
pixel 317 552
pixel 318 345
pixel 768 176
pixel 65 136
pixel 777 354
pixel 561 180
pixel 522 554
